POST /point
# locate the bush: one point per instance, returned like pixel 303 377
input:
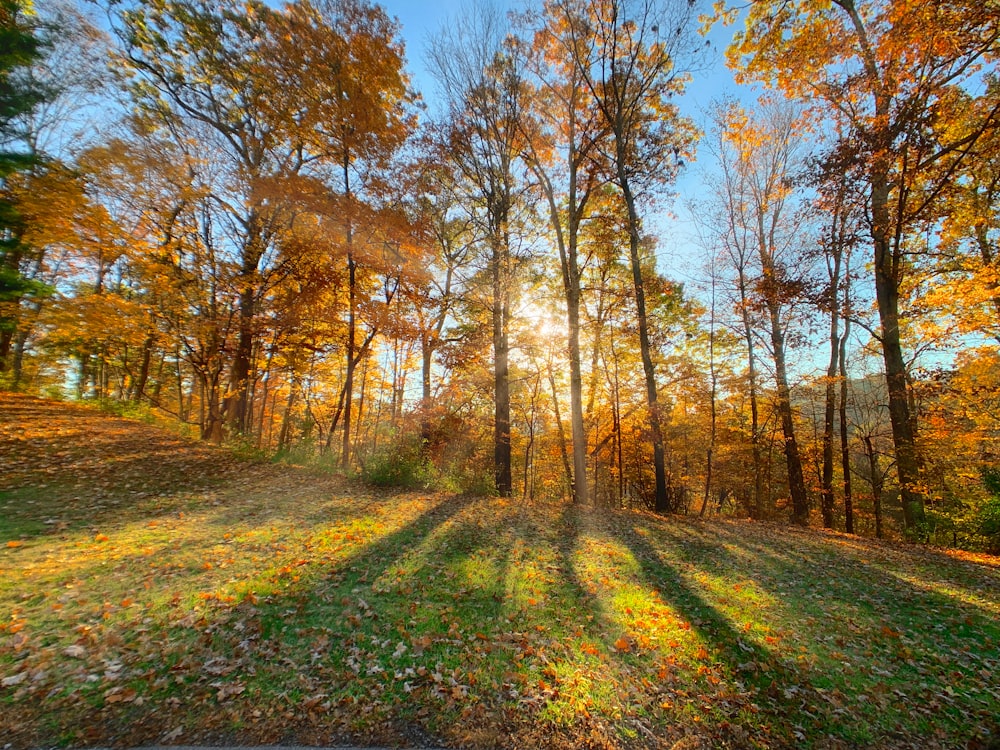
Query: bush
pixel 244 448
pixel 988 521
pixel 399 464
pixel 987 517
pixel 140 412
pixel 307 454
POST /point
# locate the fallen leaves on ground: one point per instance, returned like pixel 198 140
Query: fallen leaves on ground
pixel 154 590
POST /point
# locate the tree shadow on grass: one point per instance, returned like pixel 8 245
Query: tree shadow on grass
pixel 737 674
pixel 379 642
pixel 228 668
pixel 881 654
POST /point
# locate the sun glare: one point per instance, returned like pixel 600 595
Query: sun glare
pixel 544 323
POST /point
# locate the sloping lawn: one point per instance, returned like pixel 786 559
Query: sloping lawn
pixel 153 590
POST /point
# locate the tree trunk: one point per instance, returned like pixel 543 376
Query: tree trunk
pixel 876 483
pixel 757 511
pixel 793 460
pixel 580 489
pixel 826 493
pixel 286 421
pixel 235 404
pixel 564 454
pixel 661 501
pixel 845 454
pixel 352 301
pixel 139 386
pixel 567 240
pixel 501 368
pixel 887 274
pixel 6 342
pixel 427 362
pixel 713 378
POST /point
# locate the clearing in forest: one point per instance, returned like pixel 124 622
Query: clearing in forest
pixel 156 590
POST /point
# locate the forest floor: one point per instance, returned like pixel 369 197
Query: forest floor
pixel 154 590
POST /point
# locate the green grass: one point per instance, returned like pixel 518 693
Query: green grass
pixel 268 605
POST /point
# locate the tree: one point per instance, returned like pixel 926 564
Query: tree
pixel 191 68
pixel 342 93
pixel 483 86
pixel 72 76
pixel 838 206
pixel 763 152
pixel 892 74
pixel 20 48
pixel 563 153
pixel 630 70
pixel 296 110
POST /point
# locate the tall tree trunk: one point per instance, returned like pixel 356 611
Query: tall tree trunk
pixel 793 460
pixel 826 492
pixel 845 453
pixel 6 343
pixel 713 378
pixel 876 483
pixel 887 274
pixel 236 403
pixel 11 325
pixel 286 420
pixel 139 385
pixel 352 302
pixel 580 488
pixel 567 241
pixel 528 486
pixel 757 511
pixel 501 369
pixel 426 365
pixel 564 454
pixel 661 501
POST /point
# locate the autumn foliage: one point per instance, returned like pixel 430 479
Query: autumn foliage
pixel 279 247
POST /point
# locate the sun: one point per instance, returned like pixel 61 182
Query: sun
pixel 543 321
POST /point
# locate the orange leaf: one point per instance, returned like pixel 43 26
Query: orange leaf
pixel 623 644
pixel 15 543
pixel 101 538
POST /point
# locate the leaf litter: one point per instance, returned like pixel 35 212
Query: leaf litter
pixel 179 595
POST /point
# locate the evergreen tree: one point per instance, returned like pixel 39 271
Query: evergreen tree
pixel 19 48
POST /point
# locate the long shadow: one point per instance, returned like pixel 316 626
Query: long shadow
pixel 743 661
pixel 366 610
pixel 897 637
pixel 244 645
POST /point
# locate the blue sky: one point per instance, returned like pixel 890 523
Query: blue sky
pixel 678 254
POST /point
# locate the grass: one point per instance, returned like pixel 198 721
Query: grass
pixel 156 591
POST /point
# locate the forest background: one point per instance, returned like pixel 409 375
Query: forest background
pixel 244 220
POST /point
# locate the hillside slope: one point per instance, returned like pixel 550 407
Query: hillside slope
pixel 155 590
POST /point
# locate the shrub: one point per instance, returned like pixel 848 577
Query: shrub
pixel 399 464
pixel 987 518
